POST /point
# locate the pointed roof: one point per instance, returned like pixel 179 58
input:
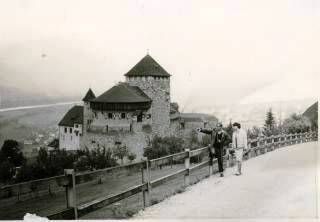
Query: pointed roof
pixel 123 93
pixel 89 96
pixel 73 116
pixel 147 66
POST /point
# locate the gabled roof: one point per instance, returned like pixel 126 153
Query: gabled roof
pixel 89 96
pixel 123 93
pixel 73 116
pixel 147 67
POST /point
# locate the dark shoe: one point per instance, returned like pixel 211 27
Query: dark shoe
pixel 221 175
pixel 238 174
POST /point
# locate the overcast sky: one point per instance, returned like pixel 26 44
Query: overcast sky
pixel 217 51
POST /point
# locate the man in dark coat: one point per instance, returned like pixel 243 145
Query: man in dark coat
pixel 218 139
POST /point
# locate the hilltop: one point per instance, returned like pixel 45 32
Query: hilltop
pixel 312 114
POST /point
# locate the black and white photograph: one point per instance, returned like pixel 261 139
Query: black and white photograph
pixel 159 110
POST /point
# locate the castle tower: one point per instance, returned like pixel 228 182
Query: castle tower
pixel 87 113
pixel 150 77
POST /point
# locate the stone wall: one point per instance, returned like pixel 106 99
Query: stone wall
pixel 135 141
pixel 158 89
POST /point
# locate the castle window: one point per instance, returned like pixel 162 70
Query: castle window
pixel 107 128
pixel 92 141
pixel 76 126
pixel 89 121
pixel 110 116
pixel 71 137
pixel 70 130
pixel 65 129
pixel 182 125
pixel 77 133
pixel 123 115
pixel 139 118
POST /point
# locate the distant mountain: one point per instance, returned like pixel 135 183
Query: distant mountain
pixel 14 97
pixel 312 114
pixel 254 114
pixel 204 116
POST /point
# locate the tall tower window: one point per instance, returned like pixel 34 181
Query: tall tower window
pixel 123 115
pixel 70 130
pixel 110 116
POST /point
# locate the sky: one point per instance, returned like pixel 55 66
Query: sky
pixel 218 52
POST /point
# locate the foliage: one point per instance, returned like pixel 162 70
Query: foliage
pixel 206 140
pixel 10 158
pixel 296 124
pixel 11 151
pixel 6 171
pixel 132 156
pixel 54 143
pixel 174 108
pixel 193 139
pixel 163 146
pixel 254 132
pixel 270 120
pixel 98 158
pixel 121 152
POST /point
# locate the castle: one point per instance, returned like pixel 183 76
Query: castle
pixel 130 113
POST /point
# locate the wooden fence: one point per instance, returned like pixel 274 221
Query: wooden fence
pixel 70 180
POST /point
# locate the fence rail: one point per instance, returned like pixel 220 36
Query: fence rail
pixel 69 180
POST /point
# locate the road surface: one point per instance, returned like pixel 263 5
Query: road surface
pixel 280 184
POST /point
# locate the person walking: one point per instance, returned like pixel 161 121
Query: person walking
pixel 218 139
pixel 239 144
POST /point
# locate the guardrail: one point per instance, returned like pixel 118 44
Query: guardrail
pixel 70 180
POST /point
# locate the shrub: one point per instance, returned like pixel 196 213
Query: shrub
pixel 163 146
pixel 132 156
pixel 121 152
pixel 6 171
pixel 296 124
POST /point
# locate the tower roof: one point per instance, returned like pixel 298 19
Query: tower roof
pixel 123 93
pixel 73 116
pixel 89 96
pixel 147 66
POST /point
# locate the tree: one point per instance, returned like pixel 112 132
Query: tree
pixel 254 132
pixel 174 108
pixel 296 124
pixel 270 120
pixel 11 151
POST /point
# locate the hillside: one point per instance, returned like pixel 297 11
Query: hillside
pixel 14 97
pixel 312 114
pixel 23 124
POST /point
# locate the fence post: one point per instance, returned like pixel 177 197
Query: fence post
pixel 258 146
pixel 249 148
pixel 146 179
pixel 272 143
pixel 71 191
pixel 266 145
pixel 187 167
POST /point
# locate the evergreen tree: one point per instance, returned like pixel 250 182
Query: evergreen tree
pixel 270 120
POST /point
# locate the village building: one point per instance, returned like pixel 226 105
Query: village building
pixel 130 113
